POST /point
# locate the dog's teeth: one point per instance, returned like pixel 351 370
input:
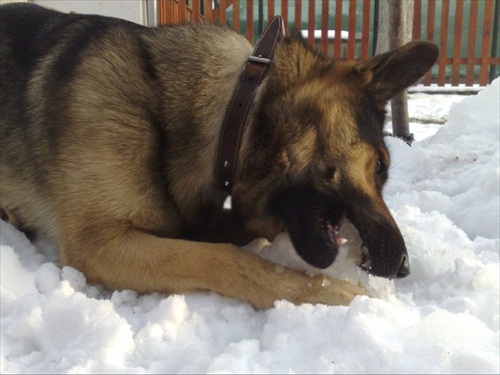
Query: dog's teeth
pixel 367 264
pixel 335 236
pixel 367 261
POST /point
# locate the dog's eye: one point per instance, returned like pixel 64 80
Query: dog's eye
pixel 330 173
pixel 380 168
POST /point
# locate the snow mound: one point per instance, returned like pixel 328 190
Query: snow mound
pixel 443 318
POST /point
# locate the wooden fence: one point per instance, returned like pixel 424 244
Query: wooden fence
pixel 466 30
pixel 480 39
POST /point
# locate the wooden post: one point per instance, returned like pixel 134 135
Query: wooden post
pixel 398 13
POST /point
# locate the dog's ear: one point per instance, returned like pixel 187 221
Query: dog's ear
pixel 391 72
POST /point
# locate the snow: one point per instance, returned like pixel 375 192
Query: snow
pixel 446 88
pixel 444 318
pixel 344 34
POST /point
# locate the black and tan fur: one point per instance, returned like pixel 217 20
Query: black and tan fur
pixel 108 138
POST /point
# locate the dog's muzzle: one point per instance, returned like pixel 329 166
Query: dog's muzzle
pixel 389 268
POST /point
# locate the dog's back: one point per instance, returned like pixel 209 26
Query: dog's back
pixel 71 83
pixel 38 48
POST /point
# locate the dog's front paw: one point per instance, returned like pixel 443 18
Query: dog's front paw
pixel 328 291
pixel 264 283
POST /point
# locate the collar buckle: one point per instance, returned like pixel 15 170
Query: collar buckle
pixel 259 59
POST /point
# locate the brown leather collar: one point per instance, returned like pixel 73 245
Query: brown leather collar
pixel 240 105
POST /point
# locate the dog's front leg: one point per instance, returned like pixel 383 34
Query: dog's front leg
pixel 143 262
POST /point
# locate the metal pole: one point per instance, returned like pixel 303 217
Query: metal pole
pixel 375 26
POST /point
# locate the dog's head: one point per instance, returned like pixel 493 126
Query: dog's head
pixel 315 155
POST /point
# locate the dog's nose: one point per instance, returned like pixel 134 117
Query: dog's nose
pixel 404 269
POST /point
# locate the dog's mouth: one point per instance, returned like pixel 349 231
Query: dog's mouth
pixel 313 222
pixel 319 244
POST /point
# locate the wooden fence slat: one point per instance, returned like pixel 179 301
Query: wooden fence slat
pixel 337 43
pixel 457 43
pixel 365 30
pixel 160 12
pixel 417 20
pixel 298 14
pixel 209 12
pixel 170 11
pixel 431 20
pixel 222 12
pixel 471 43
pixel 311 18
pixel 270 10
pixel 167 11
pixel 284 14
pixel 429 33
pixel 181 9
pixel 443 42
pixel 236 15
pixel 324 27
pixel 486 42
pixel 250 20
pixel 351 41
pixel 495 43
pixel 195 7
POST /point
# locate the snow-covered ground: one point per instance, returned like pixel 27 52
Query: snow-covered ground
pixel 443 318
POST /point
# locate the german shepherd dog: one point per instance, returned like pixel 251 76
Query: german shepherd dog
pixel 109 134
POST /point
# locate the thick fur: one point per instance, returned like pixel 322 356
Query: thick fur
pixel 108 138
